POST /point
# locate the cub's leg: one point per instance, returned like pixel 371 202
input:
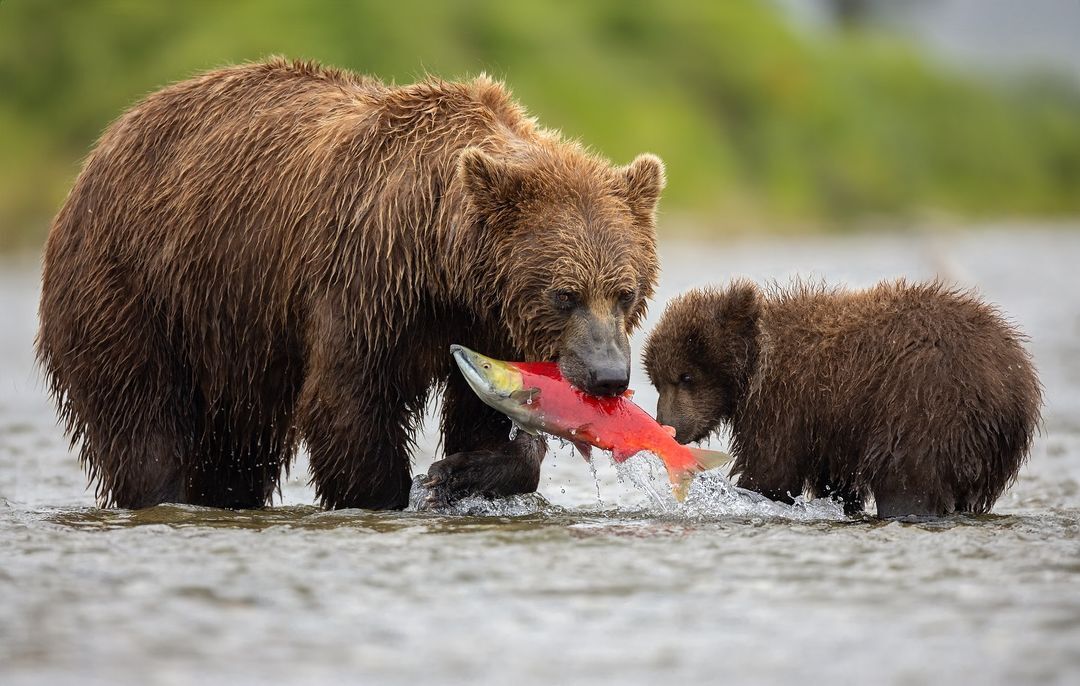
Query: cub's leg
pixel 771 463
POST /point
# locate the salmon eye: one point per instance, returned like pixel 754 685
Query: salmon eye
pixel 487 366
pixel 685 378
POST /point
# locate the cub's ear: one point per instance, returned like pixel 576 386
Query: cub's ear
pixel 644 179
pixel 493 185
pixel 739 307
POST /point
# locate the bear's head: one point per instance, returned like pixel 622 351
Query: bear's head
pixel 567 243
pixel 701 356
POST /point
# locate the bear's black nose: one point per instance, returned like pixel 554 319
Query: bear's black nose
pixel 608 381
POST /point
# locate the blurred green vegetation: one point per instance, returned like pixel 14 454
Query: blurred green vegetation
pixel 760 124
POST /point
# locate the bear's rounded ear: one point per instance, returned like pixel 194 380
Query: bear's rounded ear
pixel 644 181
pixel 739 307
pixel 491 184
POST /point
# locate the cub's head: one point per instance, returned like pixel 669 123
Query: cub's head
pixel 568 243
pixel 701 355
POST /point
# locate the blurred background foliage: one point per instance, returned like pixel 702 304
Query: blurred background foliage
pixel 762 126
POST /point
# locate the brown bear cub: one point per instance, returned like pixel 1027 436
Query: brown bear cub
pixel 281 252
pixel 916 394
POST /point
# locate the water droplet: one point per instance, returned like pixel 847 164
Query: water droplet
pixel 596 480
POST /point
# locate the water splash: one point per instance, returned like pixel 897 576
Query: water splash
pixel 713 496
pixel 477 505
pixel 640 472
pixel 510 506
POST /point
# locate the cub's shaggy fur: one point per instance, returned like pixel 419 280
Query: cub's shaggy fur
pixel 280 252
pixel 917 394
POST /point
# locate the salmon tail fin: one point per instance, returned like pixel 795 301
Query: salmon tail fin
pixel 706 460
pixel 680 483
pixel 710 459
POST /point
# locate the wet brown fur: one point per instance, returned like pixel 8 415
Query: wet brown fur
pixel 279 252
pixel 920 395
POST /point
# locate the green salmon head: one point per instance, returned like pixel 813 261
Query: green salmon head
pixel 500 385
pixel 492 380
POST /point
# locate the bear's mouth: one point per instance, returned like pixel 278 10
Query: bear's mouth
pixel 697 438
pixel 702 434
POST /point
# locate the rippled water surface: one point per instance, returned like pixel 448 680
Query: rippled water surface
pixel 564 586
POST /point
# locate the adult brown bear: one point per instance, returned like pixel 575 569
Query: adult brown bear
pixel 917 394
pixel 281 252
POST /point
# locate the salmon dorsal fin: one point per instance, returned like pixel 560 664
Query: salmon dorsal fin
pixel 710 459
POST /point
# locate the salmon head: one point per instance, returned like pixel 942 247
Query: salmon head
pixel 499 384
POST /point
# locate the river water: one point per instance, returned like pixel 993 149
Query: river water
pixel 592 581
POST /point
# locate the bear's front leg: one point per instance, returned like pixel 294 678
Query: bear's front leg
pixel 515 468
pixel 357 414
pixel 771 462
pixel 481 456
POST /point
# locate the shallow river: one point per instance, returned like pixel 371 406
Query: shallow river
pixel 596 581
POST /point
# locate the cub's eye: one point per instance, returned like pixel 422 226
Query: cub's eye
pixel 627 297
pixel 685 378
pixel 565 300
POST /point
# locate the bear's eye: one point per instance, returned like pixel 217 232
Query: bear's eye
pixel 627 297
pixel 685 378
pixel 566 300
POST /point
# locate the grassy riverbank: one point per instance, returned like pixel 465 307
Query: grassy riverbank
pixel 760 124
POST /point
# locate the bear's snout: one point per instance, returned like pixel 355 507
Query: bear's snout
pixel 665 417
pixel 597 371
pixel 608 380
pixel 595 355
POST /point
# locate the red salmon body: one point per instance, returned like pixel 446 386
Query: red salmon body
pixel 609 423
pixel 537 397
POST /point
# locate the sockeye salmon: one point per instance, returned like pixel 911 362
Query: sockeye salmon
pixel 537 398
